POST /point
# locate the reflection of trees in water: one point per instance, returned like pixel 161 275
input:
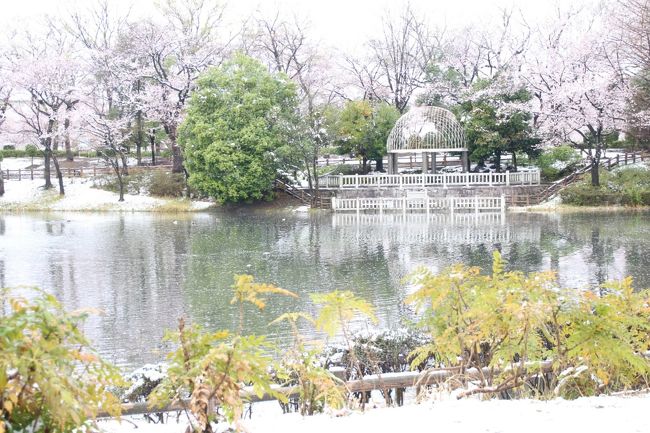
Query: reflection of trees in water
pixel 297 253
pixel 144 283
pixel 145 271
pixel 637 258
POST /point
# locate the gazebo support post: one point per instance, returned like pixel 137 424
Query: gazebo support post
pixel 465 161
pixel 434 169
pixel 425 162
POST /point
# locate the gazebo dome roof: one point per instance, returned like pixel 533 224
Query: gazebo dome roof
pixel 427 129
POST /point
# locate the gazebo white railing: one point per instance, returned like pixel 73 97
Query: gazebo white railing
pixel 443 180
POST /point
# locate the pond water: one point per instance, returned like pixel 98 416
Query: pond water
pixel 144 271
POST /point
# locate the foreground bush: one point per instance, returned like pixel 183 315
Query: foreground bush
pixel 50 379
pixel 523 332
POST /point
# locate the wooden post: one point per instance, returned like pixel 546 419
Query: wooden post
pixel 507 178
pixel 356 180
pixel 20 177
pixel 31 172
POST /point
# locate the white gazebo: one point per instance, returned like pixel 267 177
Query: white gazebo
pixel 426 130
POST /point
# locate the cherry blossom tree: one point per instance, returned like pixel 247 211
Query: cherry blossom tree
pixel 97 30
pixel 47 72
pixel 398 59
pixel 581 88
pixel 5 94
pixel 177 52
pixel 286 46
pixel 111 136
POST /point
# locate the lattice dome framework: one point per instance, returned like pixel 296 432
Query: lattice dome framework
pixel 427 129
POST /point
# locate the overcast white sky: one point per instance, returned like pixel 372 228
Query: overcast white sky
pixel 335 22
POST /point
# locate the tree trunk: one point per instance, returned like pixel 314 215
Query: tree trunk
pixel 59 175
pixel 152 142
pixel 595 162
pixel 46 166
pixel 379 164
pixel 364 165
pixel 497 160
pixel 138 138
pixel 514 160
pixel 68 147
pixel 120 181
pixel 177 154
pixel 2 183
pixel 595 172
pixel 125 166
pixel 316 185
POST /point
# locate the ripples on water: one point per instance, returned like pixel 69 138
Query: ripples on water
pixel 146 270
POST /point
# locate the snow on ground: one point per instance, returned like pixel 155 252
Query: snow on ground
pixel 593 414
pixel 79 196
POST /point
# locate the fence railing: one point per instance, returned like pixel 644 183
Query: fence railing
pixel 421 202
pixel 30 173
pixel 426 180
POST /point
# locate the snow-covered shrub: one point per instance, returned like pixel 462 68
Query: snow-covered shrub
pixel 142 381
pixel 627 186
pixel 384 351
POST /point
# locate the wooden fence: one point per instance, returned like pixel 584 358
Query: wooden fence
pixel 443 180
pixel 31 174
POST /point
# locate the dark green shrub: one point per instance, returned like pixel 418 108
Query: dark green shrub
pixel 12 153
pixel 587 195
pixel 165 184
pixel 8 147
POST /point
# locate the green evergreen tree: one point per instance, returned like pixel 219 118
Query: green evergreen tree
pixel 362 129
pixel 237 130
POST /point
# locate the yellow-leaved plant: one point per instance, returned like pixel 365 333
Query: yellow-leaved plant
pixel 337 311
pixel 50 378
pixel 213 369
pixel 508 330
pixel 301 366
pixel 246 290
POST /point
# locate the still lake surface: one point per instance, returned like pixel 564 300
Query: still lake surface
pixel 144 271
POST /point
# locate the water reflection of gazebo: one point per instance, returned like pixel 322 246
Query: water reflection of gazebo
pixel 426 130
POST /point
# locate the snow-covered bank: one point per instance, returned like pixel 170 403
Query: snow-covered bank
pixel 80 196
pixel 594 415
